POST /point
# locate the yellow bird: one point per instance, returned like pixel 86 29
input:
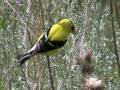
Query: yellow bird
pixel 51 40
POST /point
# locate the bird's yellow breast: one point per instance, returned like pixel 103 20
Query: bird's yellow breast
pixel 58 33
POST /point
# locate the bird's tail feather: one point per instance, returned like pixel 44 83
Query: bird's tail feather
pixel 24 57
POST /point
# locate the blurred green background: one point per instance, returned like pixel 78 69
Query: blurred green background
pixel 97 23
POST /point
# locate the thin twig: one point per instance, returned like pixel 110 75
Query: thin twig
pixel 25 77
pixel 50 73
pixel 17 54
pixel 114 37
pixel 48 59
pixel 117 14
pixel 42 15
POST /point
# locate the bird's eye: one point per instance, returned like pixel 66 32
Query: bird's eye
pixel 73 27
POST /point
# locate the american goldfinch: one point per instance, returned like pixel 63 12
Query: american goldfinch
pixel 50 41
